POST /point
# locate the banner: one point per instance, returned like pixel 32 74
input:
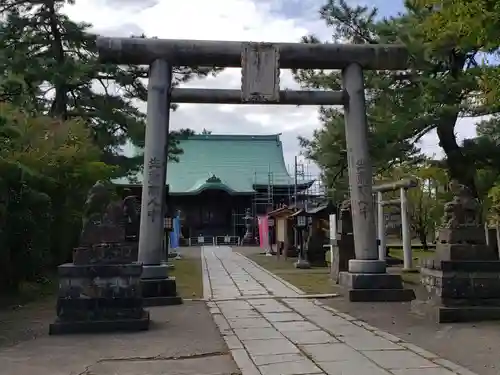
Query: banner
pixel 263 232
pixel 176 232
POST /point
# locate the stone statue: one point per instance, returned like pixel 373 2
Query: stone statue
pixel 102 218
pixel 98 199
pixel 463 210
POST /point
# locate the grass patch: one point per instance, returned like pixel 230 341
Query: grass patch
pixel 315 280
pixel 189 277
pixel 417 253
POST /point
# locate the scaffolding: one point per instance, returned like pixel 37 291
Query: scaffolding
pixel 273 189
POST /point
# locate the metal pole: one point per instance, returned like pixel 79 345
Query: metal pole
pixel 295 181
pixel 360 174
pixel 155 168
pixel 405 229
pixel 381 227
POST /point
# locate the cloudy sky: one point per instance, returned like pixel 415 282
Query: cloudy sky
pixel 255 20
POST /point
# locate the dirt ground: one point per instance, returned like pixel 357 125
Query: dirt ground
pixel 179 338
pixel 472 345
pixel 27 322
pixel 183 339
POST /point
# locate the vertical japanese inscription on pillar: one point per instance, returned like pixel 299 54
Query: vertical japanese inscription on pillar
pixel 155 185
pixel 363 182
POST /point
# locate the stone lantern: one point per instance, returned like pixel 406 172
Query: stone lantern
pixel 248 219
pixel 302 221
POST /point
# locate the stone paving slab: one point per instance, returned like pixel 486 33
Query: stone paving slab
pixel 272 330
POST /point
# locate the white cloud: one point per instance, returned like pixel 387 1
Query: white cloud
pixel 257 20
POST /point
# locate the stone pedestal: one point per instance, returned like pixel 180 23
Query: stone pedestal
pixel 463 279
pixel 342 253
pixel 368 281
pixel 100 291
pixel 159 289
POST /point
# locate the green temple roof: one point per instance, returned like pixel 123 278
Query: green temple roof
pixel 235 163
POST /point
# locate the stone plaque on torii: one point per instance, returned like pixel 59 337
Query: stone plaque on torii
pixel 261 64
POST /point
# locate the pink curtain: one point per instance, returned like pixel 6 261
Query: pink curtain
pixel 263 231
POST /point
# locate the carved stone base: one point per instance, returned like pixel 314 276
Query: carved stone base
pixel 462 235
pixel 383 287
pixel 79 309
pixel 458 314
pixel 460 290
pixel 60 326
pixel 99 281
pixel 109 253
pixel 160 292
pixel 464 252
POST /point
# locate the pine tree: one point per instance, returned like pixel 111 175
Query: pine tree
pixel 50 66
pixel 404 106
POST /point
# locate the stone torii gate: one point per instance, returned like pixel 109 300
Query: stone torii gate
pixel 261 63
pixel 402 186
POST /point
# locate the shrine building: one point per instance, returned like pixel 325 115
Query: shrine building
pixel 219 177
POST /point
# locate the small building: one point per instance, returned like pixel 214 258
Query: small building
pixel 218 177
pixel 283 230
pixel 319 231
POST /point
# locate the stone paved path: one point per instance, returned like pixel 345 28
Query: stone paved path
pixel 272 329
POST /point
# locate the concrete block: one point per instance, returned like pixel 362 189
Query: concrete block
pixel 332 352
pixel 257 333
pixel 398 359
pixel 249 323
pixel 295 326
pixel 369 343
pixel 283 317
pixel 270 347
pixel 301 367
pixel 361 366
pixel 310 337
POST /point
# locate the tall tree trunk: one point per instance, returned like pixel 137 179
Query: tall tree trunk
pixel 460 167
pixel 59 105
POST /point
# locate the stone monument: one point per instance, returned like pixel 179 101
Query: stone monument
pixel 462 279
pixel 343 249
pixel 101 289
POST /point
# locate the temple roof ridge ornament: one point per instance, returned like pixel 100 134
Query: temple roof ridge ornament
pixel 213 179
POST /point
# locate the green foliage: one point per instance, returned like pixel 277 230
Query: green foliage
pixel 425 201
pixel 46 168
pixel 52 66
pixel 494 197
pixel 64 120
pixel 467 25
pixel 401 106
